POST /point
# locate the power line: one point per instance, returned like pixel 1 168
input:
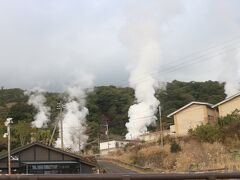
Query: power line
pixel 222 47
pixel 232 41
pixel 199 60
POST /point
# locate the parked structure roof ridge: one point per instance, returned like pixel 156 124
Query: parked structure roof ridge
pixel 227 99
pixel 189 104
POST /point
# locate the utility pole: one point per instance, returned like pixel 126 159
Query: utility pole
pixel 79 138
pixel 79 145
pixel 54 130
pixel 161 126
pixel 99 139
pixel 61 107
pixel 107 135
pixel 8 134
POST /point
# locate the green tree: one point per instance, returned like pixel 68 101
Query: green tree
pixel 112 103
pixel 22 111
pixel 41 135
pixel 22 132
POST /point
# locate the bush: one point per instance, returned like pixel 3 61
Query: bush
pixel 207 133
pixel 228 120
pixel 175 147
pixel 230 128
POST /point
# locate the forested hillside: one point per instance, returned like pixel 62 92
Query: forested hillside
pixel 106 104
pixel 177 94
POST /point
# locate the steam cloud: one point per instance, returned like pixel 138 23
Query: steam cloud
pixel 142 114
pixel 38 100
pixel 230 73
pixel 142 41
pixel 74 119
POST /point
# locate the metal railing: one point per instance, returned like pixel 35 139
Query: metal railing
pixel 167 176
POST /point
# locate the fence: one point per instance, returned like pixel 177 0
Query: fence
pixel 199 176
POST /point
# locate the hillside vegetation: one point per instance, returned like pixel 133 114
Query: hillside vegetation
pixel 194 156
pixel 210 146
pixel 106 104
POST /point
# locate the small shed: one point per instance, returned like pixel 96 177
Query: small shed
pixel 37 158
pixel 110 146
pixel 229 105
pixel 190 116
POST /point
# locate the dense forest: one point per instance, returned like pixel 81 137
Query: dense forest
pixel 177 94
pixel 106 104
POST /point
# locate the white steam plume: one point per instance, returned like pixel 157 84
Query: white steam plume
pixel 142 114
pixel 146 56
pixel 142 35
pixel 74 119
pixel 230 72
pixel 38 100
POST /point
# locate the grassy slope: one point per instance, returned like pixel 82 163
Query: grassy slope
pixel 194 156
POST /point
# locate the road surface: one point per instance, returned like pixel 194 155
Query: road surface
pixel 113 168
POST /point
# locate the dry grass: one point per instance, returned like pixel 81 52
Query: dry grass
pixel 194 156
pixel 147 155
pixel 232 142
pixel 197 156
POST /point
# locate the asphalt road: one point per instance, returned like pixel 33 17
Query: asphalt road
pixel 112 168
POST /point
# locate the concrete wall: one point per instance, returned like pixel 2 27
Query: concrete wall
pixel 112 144
pixel 150 137
pixel 106 145
pixel 153 136
pixel 172 129
pixel 190 118
pixel 229 107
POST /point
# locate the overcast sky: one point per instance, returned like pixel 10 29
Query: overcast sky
pixel 50 43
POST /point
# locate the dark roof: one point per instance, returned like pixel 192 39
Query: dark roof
pixel 19 149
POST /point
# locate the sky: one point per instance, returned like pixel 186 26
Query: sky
pixel 51 43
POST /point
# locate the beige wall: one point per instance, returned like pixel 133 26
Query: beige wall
pixel 191 117
pixel 153 136
pixel 149 137
pixel 229 107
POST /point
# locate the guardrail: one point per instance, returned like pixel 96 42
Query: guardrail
pixel 174 176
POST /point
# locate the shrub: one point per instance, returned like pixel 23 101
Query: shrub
pixel 175 147
pixel 207 133
pixel 230 128
pixel 228 120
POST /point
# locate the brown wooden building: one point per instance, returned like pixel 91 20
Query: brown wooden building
pixel 37 158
